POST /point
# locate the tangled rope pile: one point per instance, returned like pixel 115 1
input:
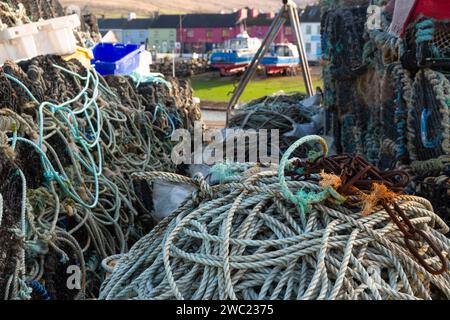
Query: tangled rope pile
pixel 17 12
pixel 69 142
pixel 283 112
pixel 253 238
pixel 40 9
pixel 10 17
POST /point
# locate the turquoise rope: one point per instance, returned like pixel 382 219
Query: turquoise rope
pixel 425 31
pixel 70 118
pixel 164 111
pixel 302 198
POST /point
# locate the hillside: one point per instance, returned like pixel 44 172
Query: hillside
pixel 143 7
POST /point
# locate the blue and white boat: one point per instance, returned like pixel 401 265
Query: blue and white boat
pixel 236 55
pixel 281 58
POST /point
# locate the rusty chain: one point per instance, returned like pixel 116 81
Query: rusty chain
pixel 358 177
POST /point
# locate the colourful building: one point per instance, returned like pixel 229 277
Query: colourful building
pixel 129 30
pixel 162 40
pixel 258 26
pixel 204 32
pixel 199 32
pixel 311 30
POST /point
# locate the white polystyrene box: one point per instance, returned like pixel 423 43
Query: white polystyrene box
pixel 3 54
pixel 56 35
pixel 144 63
pixel 17 43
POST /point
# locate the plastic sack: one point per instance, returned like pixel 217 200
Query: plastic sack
pixel 167 198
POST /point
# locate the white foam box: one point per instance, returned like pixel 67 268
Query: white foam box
pixel 144 63
pixel 56 35
pixel 17 43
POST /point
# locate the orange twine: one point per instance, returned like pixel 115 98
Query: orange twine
pixel 330 180
pixel 379 193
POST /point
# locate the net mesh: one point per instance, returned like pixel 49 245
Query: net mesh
pixel 442 38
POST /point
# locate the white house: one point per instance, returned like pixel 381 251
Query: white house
pixel 311 29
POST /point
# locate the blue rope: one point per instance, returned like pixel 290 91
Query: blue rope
pixel 39 289
pixel 426 140
pixel 425 31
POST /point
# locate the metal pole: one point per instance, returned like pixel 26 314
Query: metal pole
pixel 289 10
pixel 249 73
pixel 181 36
pixel 295 22
pixel 173 63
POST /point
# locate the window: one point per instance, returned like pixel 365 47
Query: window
pixel 283 51
pixel 190 34
pixel 288 31
pixel 209 34
pixel 225 33
pixel 308 29
pixel 308 47
pixel 237 44
pixel 318 29
pixel 319 49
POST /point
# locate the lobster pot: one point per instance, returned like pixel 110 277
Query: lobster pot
pixel 376 90
pixel 388 147
pixel 343 43
pixel 433 43
pixel 426 119
pixel 424 38
pixel 441 39
pixel 437 190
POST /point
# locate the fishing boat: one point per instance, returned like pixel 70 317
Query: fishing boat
pixel 236 54
pixel 283 58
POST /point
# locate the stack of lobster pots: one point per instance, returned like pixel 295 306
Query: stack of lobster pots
pixel 183 68
pixel 387 88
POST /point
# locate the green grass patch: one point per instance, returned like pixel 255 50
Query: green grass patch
pixel 213 88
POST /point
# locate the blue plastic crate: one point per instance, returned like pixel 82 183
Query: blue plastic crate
pixel 116 58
